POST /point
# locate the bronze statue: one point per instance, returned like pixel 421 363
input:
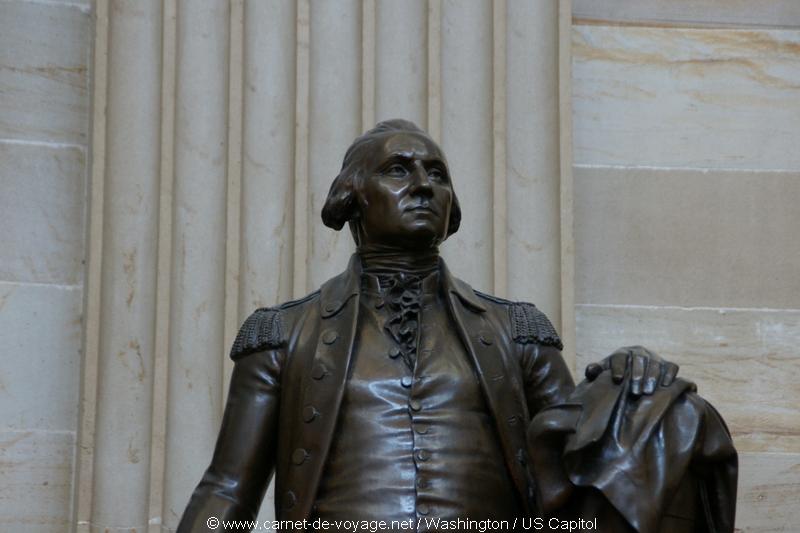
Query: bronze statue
pixel 398 393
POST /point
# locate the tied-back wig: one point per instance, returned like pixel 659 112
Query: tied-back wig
pixel 341 205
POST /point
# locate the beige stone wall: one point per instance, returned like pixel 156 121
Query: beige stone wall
pixel 687 181
pixel 44 111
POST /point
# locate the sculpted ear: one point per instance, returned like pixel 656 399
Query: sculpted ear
pixel 340 205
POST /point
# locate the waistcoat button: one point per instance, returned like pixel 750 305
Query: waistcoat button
pixel 299 456
pixel 319 371
pixel 330 336
pixel 309 413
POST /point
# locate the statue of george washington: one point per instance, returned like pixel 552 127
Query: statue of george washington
pixel 396 392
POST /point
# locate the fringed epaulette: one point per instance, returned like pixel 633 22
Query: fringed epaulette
pixel 262 330
pixel 529 325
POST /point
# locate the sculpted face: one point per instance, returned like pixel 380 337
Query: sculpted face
pixel 405 195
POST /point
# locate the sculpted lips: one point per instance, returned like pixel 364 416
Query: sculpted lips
pixel 424 207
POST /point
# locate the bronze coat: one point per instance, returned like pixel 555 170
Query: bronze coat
pixel 284 400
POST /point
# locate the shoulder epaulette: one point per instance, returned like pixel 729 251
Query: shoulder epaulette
pixel 529 325
pixel 263 329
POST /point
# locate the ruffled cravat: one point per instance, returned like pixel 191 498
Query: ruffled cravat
pixel 402 294
pixel 400 274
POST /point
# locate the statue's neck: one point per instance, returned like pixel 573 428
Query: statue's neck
pixel 381 259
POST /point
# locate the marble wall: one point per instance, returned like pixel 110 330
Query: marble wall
pixel 44 132
pixel 686 120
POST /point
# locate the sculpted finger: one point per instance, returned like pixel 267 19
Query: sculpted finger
pixel 592 371
pixel 619 361
pixel 638 367
pixel 670 371
pixel 652 376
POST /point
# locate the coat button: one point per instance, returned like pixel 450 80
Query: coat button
pixel 512 420
pixel 486 338
pixel 421 429
pixel 299 456
pixel 415 405
pixel 423 509
pixel 406 381
pixel 330 336
pixel 309 413
pixel 289 499
pixel 423 455
pixel 394 352
pixel 332 306
pixel 319 371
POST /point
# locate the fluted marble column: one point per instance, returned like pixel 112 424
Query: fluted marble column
pixel 466 79
pixel 334 120
pixel 217 132
pixel 197 299
pixel 127 292
pixel 401 74
pixel 268 154
pixel 533 154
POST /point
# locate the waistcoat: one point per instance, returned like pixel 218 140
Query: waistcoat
pixel 413 441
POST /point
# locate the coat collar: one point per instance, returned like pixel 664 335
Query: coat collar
pixel 337 291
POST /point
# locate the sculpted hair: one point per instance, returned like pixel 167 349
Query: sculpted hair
pixel 341 205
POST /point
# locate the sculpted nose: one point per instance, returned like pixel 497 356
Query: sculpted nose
pixel 420 182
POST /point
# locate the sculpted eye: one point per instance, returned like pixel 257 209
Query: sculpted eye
pixel 396 171
pixel 436 174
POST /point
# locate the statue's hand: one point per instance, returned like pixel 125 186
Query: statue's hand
pixel 644 369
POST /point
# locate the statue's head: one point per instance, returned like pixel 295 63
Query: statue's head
pixel 394 189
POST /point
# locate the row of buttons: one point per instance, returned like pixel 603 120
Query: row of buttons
pixel 318 372
pixel 421 455
pixel 310 413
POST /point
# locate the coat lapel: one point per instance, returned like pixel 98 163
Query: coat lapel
pixel 482 342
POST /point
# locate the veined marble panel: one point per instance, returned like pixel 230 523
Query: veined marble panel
pixel 745 362
pixel 769 489
pixel 35 480
pixel 687 238
pixel 733 12
pixel 39 370
pixel 44 53
pixel 669 97
pixel 41 211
